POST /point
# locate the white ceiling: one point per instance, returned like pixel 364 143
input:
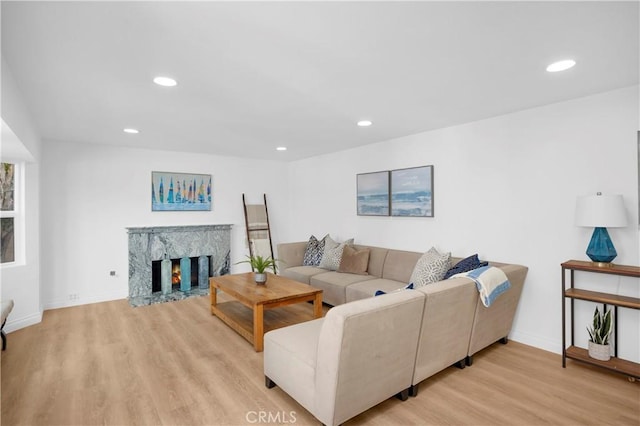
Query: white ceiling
pixel 256 75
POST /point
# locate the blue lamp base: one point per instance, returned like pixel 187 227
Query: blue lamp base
pixel 600 247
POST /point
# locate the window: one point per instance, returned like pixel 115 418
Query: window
pixel 8 212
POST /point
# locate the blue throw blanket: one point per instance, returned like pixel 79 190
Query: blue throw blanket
pixel 490 281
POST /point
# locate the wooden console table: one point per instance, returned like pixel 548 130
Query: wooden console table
pixel 616 364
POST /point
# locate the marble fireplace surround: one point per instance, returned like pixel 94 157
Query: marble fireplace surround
pixel 147 244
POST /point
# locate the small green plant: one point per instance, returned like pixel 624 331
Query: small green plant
pixel 602 326
pixel 259 264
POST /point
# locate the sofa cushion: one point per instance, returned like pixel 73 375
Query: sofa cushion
pixel 377 255
pixel 313 252
pixel 302 273
pixel 430 268
pixel 333 253
pixel 333 285
pixel 398 265
pixel 354 261
pixel 290 359
pixel 366 289
pixel 290 254
pixel 465 265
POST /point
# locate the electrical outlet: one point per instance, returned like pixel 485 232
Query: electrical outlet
pixel 74 296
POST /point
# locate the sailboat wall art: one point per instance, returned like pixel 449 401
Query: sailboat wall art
pixel 181 192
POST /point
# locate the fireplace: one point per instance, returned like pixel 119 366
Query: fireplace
pixel 206 247
pixel 199 269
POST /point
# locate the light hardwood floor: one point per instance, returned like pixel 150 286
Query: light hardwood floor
pixel 175 364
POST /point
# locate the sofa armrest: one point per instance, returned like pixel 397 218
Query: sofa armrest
pixel 291 254
pixel 494 323
pixel 7 307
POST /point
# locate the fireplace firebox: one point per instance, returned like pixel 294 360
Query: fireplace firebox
pixel 204 249
pixel 176 275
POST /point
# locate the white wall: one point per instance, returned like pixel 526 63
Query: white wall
pixel 504 188
pixel 91 193
pixel 21 282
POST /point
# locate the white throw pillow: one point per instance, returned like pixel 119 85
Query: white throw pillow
pixel 430 268
pixel 333 253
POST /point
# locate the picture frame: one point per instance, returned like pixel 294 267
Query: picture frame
pixel 412 192
pixel 373 195
pixel 172 191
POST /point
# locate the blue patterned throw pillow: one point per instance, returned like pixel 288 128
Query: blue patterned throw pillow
pixel 314 251
pixel 465 265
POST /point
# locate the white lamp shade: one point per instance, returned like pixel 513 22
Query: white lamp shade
pixel 601 211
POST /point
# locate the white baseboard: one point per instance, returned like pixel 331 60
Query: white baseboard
pixel 536 341
pixel 18 323
pixel 97 298
pixel 14 324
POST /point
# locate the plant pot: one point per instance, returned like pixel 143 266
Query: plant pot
pixel 599 352
pixel 260 278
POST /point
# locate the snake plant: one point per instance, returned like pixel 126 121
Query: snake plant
pixel 602 326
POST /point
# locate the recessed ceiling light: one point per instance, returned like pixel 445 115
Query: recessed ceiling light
pixel 165 81
pixel 561 65
pixel 364 123
pixel 132 131
pixel 281 148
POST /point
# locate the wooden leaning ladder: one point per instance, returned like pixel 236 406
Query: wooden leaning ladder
pixel 256 220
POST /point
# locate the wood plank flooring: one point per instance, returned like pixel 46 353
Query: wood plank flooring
pixel 175 364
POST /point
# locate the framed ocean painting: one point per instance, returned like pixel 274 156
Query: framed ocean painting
pixel 373 194
pixel 412 192
pixel 180 192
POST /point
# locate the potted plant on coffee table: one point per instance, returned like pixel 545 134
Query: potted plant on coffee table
pixel 259 265
pixel 599 335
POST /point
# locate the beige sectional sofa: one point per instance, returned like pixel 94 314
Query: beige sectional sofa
pixel 355 357
pixel 389 270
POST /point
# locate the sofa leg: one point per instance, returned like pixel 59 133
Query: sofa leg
pixel 460 364
pixel 403 395
pixel 269 383
pixel 504 340
pixel 469 360
pixel 413 390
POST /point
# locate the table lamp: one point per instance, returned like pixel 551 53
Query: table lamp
pixel 601 212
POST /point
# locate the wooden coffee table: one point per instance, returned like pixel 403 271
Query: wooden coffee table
pixel 277 292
